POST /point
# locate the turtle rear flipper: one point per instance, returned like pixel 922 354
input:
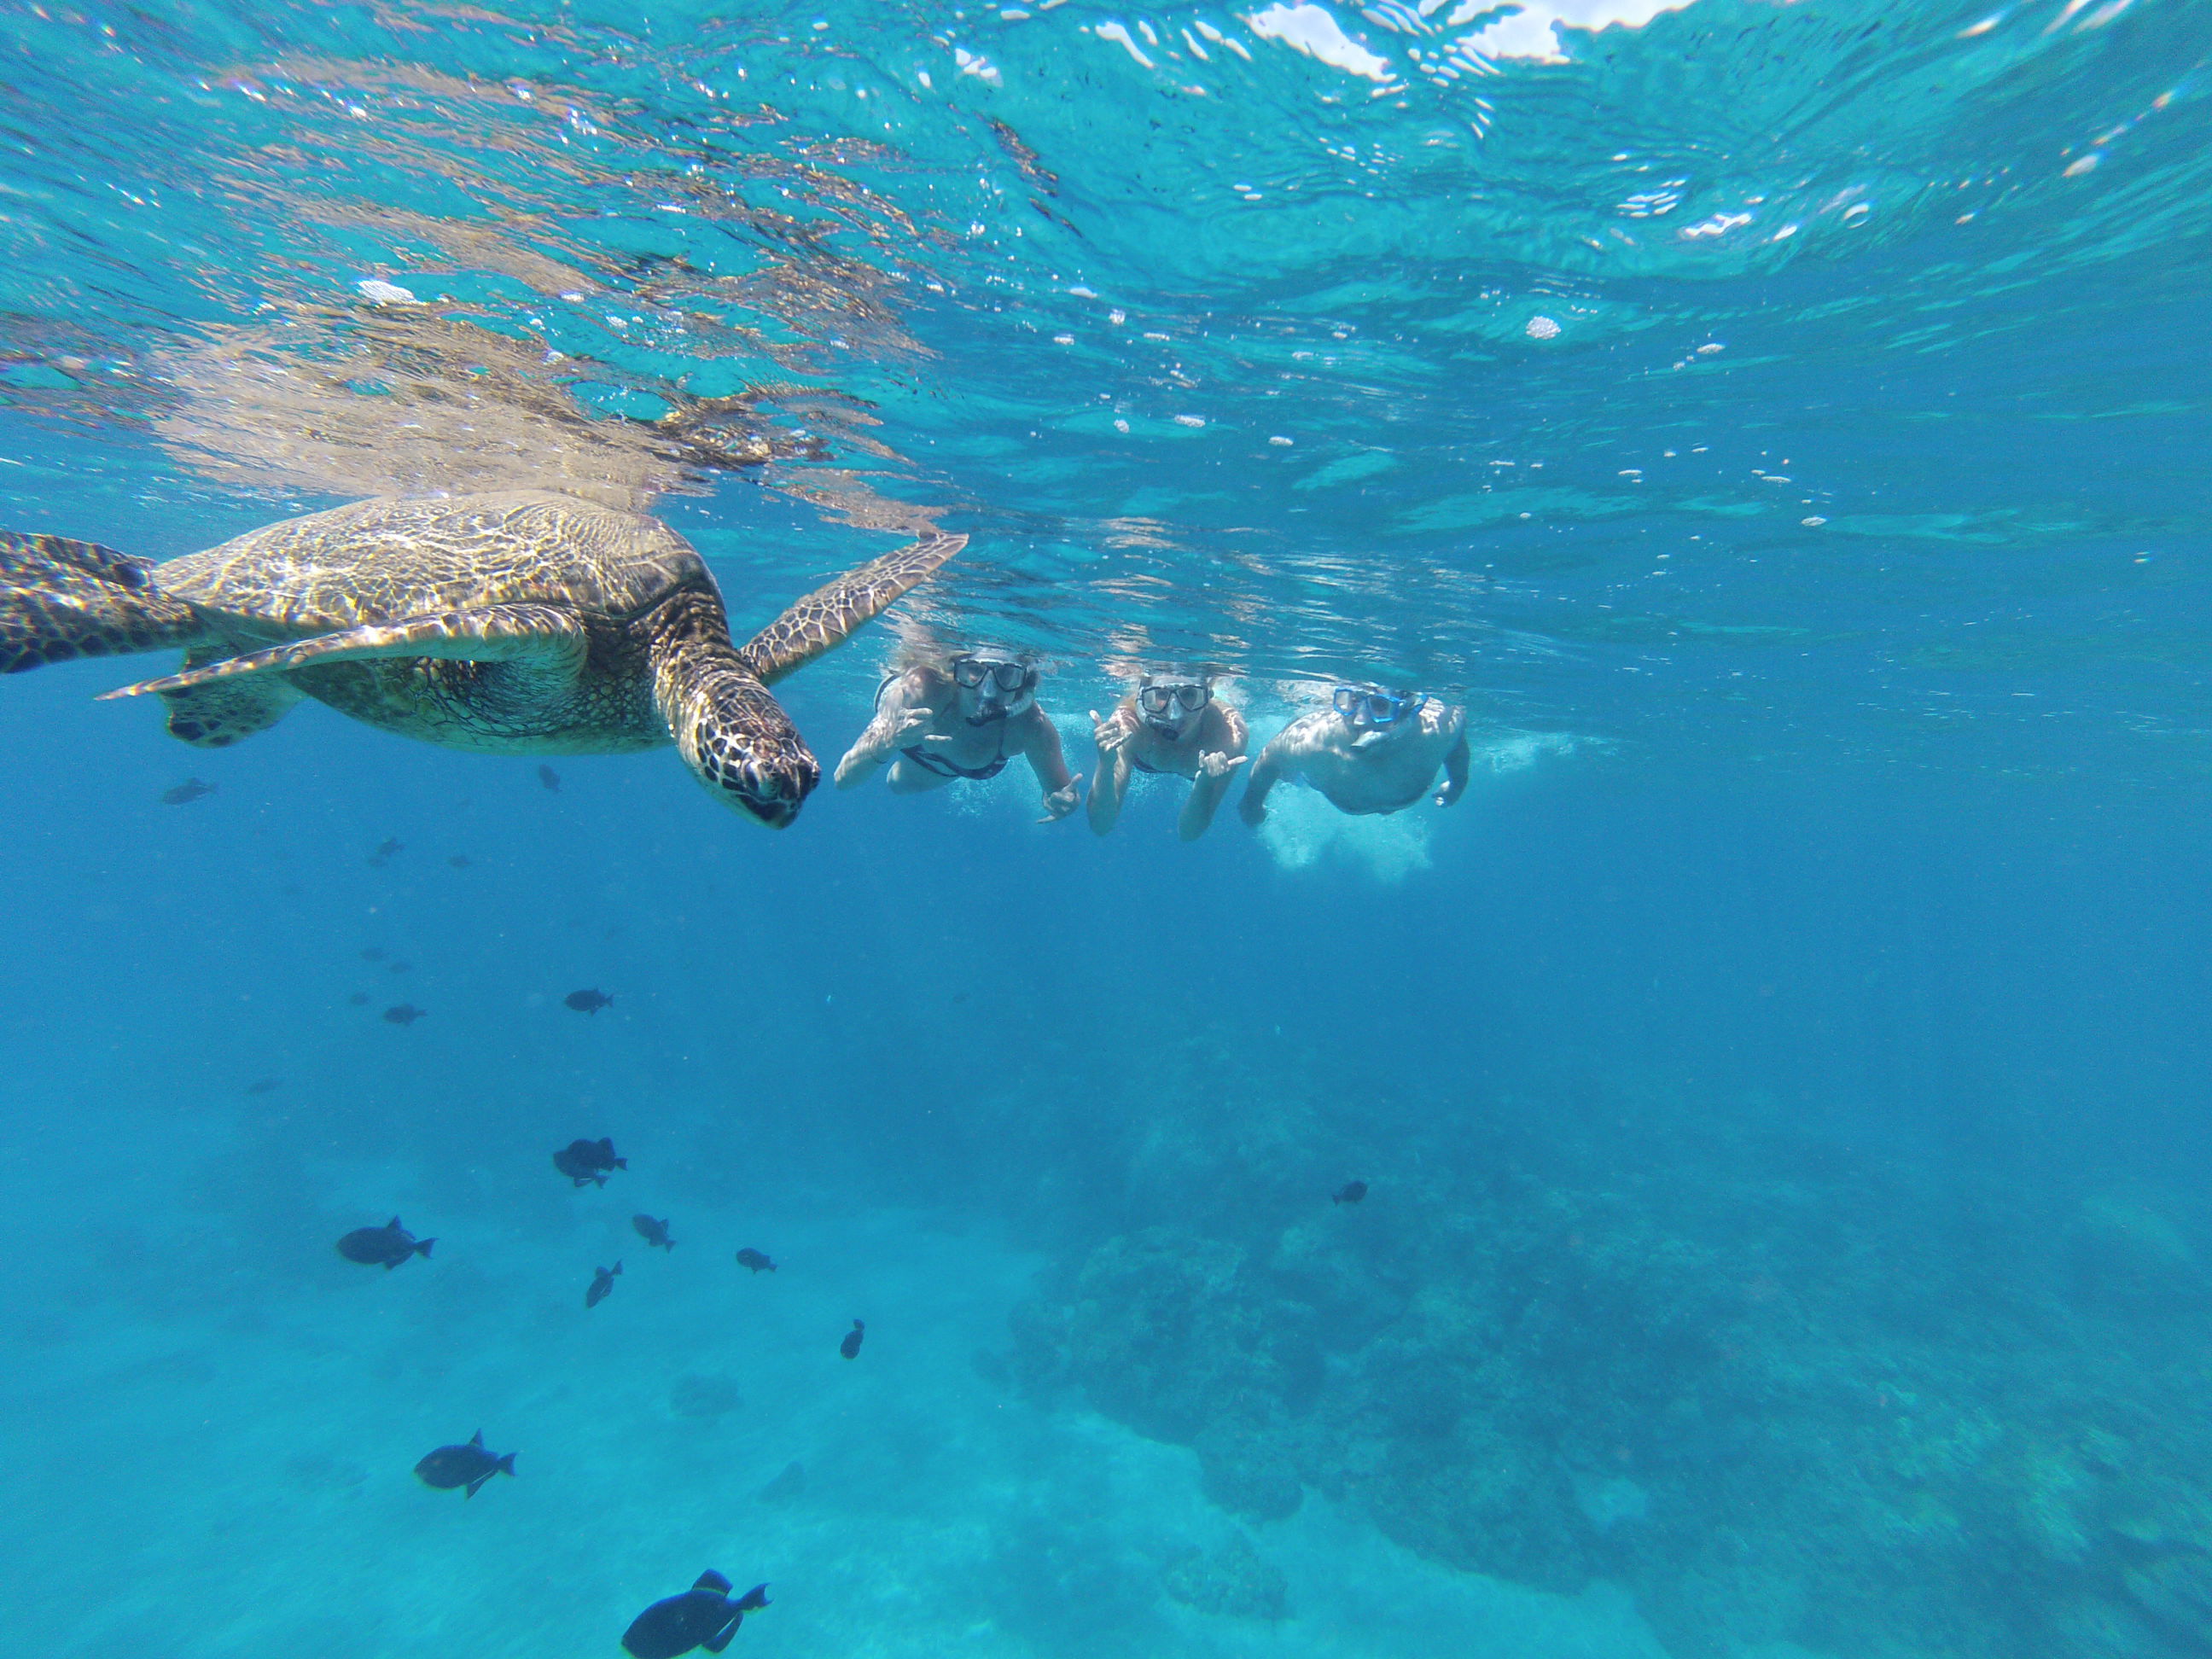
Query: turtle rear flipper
pixel 823 618
pixel 542 635
pixel 61 600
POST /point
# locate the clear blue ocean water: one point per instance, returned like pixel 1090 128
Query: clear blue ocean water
pixel 1780 1082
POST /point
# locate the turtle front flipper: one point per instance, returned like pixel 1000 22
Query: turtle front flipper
pixel 541 635
pixel 215 715
pixel 61 600
pixel 823 618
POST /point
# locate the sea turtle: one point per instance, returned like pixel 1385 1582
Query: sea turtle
pixel 517 623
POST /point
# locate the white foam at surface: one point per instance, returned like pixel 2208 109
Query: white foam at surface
pixel 1315 31
pixel 1532 31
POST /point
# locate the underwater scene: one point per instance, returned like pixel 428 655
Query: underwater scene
pixel 1044 831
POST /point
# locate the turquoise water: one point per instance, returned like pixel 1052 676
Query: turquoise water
pixel 1780 1082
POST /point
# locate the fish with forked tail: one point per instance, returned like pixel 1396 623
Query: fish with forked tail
pixel 384 1247
pixel 705 1616
pixel 468 1465
pixel 603 1285
pixel 756 1262
pixel 654 1233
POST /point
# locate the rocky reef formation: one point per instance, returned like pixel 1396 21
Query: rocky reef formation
pixel 1784 1391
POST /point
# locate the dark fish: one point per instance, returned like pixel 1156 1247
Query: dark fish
pixel 384 1247
pixel 654 1233
pixel 186 792
pixel 460 860
pixel 588 1002
pixel 603 1285
pixel 1351 1193
pixel 754 1260
pixel 705 1616
pixel 850 1348
pixel 549 778
pixel 404 1014
pixel 382 855
pixel 583 1161
pixel 359 999
pixel 469 1466
pixel 262 1086
pixel 373 953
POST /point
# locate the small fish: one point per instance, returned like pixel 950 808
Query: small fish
pixel 654 1233
pixel 549 778
pixel 850 1348
pixel 186 792
pixel 1351 1193
pixel 469 1466
pixel 262 1086
pixel 588 1002
pixel 603 1285
pixel 584 1161
pixel 382 855
pixel 384 1247
pixel 404 1014
pixel 373 953
pixel 460 860
pixel 757 1262
pixel 705 1616
pixel 359 999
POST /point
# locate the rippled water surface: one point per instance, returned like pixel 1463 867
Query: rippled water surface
pixel 1780 1084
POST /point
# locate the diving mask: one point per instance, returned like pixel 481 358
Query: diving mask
pixel 1162 697
pixel 1009 675
pixel 1380 708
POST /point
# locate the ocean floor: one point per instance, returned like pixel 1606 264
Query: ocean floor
pixel 211 1438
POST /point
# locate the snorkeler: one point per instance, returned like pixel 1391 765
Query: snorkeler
pixel 1170 723
pixel 964 720
pixel 1370 752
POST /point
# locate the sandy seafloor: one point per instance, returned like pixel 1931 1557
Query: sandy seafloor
pixel 250 1491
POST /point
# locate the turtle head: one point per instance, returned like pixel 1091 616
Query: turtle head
pixel 734 735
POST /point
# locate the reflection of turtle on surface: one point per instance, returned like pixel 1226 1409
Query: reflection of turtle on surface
pixel 519 622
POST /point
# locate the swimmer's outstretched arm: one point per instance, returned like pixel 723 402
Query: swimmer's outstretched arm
pixel 1219 761
pixel 1109 782
pixel 1041 744
pixel 1455 765
pixel 1284 757
pixel 897 723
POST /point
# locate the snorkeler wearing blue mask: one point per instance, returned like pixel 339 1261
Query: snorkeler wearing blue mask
pixel 1172 723
pixel 1373 751
pixel 964 720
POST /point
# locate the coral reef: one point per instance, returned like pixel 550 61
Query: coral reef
pixel 1232 1581
pixel 1784 1392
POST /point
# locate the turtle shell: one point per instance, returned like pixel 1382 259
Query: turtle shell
pixel 378 561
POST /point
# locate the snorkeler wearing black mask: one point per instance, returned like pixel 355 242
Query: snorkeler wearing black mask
pixel 964 720
pixel 1172 723
pixel 1373 751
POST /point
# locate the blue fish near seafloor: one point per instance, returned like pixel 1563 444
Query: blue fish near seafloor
pixel 705 1616
pixel 384 1247
pixel 468 1465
